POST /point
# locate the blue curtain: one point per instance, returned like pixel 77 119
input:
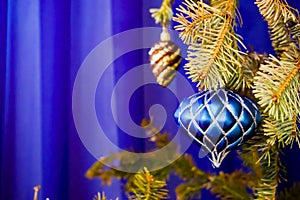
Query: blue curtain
pixel 42 46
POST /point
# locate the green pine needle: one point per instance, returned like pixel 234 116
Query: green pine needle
pixel 290 193
pixel 271 176
pixel 163 14
pixel 293 28
pixel 262 159
pixel 213 55
pixel 281 133
pixel 189 190
pixel 146 187
pixel 277 13
pixel 231 186
pixel 242 81
pixel 276 87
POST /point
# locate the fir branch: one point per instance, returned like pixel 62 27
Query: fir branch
pixel 277 13
pixel 282 133
pixel 250 157
pixel 262 179
pixel 99 170
pixel 264 160
pixel 226 186
pixel 230 186
pixel 265 164
pixel 272 170
pixel 186 162
pixel 213 55
pixel 276 87
pixel 163 14
pixel 191 18
pixel 146 187
pixel 253 150
pixel 194 178
pixel 242 81
pixel 293 28
pixel 189 190
pixel 128 161
pixel 290 193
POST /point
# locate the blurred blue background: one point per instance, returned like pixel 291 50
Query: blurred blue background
pixel 42 46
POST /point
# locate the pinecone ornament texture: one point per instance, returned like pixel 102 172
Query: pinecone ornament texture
pixel 165 59
pixel 218 121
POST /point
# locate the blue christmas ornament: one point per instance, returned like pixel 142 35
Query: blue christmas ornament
pixel 218 120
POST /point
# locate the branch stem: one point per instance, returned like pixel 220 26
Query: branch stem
pixel 276 96
pixel 220 39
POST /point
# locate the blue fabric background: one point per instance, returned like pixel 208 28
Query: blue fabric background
pixel 42 45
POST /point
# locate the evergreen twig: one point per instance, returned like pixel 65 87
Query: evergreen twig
pixel 163 14
pixel 277 13
pixel 242 81
pixel 147 187
pixel 213 55
pixel 290 193
pixel 276 87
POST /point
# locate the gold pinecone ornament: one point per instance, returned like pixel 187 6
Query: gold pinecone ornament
pixel 165 59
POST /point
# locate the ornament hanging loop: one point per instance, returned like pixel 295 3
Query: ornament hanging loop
pixel 165 35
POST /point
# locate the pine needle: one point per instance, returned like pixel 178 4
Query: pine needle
pixel 281 133
pixel 290 193
pixel 277 13
pixel 272 170
pixel 242 81
pixel 276 86
pixel 163 14
pixel 213 53
pixel 146 187
pixel 293 29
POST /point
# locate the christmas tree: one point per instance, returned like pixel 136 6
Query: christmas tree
pixel 220 64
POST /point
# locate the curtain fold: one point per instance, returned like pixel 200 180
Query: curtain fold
pixel 21 136
pixel 3 25
pixel 43 44
pixel 56 85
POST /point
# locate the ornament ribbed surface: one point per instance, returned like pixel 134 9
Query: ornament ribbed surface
pixel 165 60
pixel 218 120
